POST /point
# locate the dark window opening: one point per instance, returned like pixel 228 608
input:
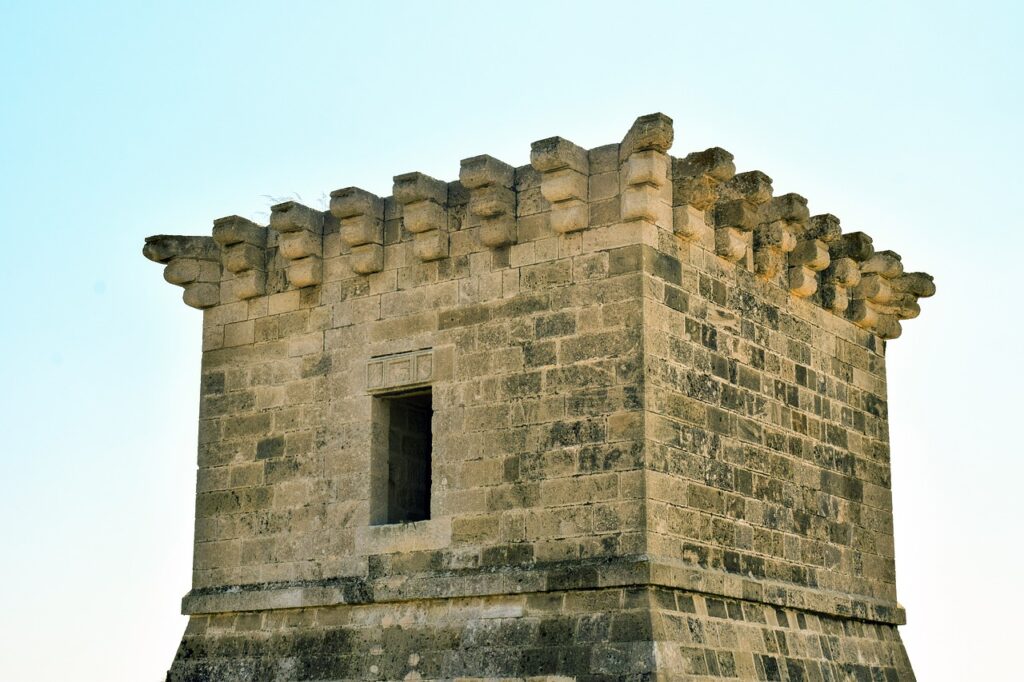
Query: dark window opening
pixel 408 457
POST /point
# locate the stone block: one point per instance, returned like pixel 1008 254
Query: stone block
pixel 424 216
pixel 243 256
pixel 497 232
pixel 362 229
pixel 294 217
pixel 640 204
pixel 305 272
pixel 296 245
pixel 648 132
pixel 730 244
pixel 201 295
pixel 353 201
pixel 569 216
pixel 182 271
pixel 492 201
pixel 480 171
pixel 367 258
pixel 412 188
pixel 555 153
pixel 564 184
pixel 247 285
pixel 432 245
pixel 237 230
pixel 803 281
pixel 646 168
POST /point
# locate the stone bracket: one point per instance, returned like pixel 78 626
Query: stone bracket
pixel 424 202
pixel 738 213
pixel 785 218
pixel 564 181
pixel 193 263
pixel 695 181
pixel 244 245
pixel 360 215
pixel 300 242
pixel 492 198
pixel 646 189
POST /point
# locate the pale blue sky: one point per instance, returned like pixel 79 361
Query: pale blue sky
pixel 119 121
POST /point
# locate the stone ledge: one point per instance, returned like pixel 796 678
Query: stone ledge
pixel 404 537
pixel 558 576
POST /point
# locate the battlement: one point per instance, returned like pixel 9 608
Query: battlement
pixel 566 190
pixel 610 415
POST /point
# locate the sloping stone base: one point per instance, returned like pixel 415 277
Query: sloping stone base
pixel 585 635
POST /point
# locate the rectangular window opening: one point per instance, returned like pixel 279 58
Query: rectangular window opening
pixel 403 490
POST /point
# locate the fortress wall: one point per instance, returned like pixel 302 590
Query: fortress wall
pixel 534 364
pixel 659 428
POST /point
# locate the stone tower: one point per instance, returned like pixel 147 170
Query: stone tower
pixel 611 415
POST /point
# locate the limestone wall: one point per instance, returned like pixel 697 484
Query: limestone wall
pixel 772 464
pixel 534 362
pixel 646 372
pixel 637 633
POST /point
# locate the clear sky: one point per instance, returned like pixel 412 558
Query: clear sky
pixel 121 120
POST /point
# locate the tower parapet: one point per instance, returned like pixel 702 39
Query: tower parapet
pixel 614 413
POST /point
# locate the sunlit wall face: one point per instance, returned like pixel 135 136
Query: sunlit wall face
pixel 120 121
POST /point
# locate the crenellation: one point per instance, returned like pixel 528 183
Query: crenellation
pixel 492 198
pixel 424 202
pixel 564 182
pixel 784 220
pixel 646 192
pixel 737 213
pixel 244 245
pixel 300 242
pixel 695 181
pixel 361 227
pixel 193 263
pixel 885 295
pixel 655 388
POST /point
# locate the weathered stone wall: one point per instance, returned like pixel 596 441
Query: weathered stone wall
pixel 659 428
pixel 773 462
pixel 634 633
pixel 536 387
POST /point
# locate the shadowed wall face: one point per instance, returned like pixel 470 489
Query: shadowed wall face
pixel 614 413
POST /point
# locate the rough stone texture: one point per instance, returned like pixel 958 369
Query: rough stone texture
pixel 659 433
